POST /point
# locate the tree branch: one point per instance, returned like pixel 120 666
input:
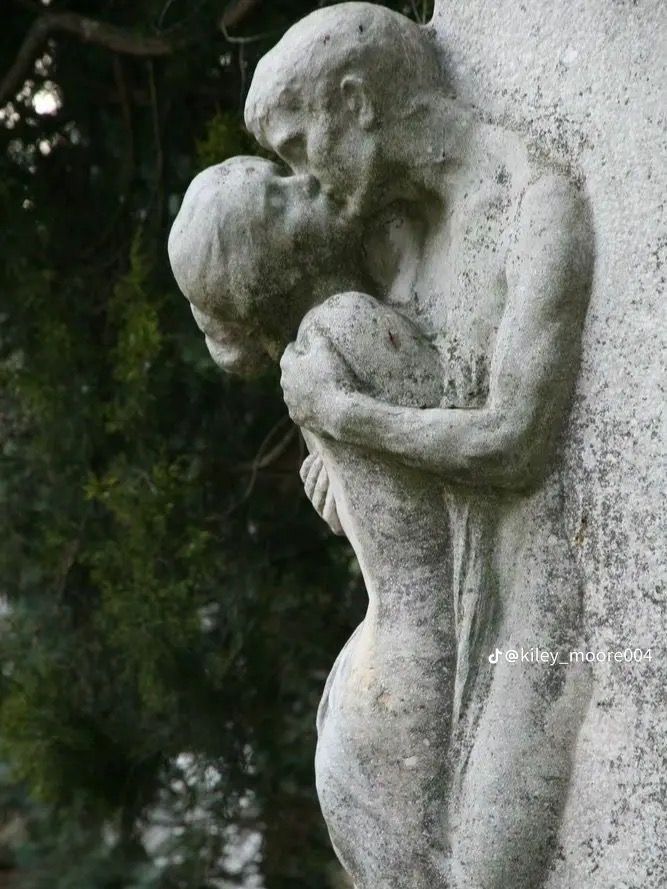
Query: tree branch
pixel 85 29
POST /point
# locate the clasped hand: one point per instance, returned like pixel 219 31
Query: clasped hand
pixel 314 379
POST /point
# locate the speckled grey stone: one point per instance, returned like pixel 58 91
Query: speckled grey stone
pixel 467 255
pixel 586 81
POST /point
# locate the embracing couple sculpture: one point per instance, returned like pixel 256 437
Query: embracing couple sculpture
pixel 422 276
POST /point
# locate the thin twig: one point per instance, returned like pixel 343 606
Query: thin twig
pixel 126 113
pixel 236 13
pixel 165 9
pixel 243 68
pixel 127 167
pixel 263 459
pixel 242 41
pixel 159 162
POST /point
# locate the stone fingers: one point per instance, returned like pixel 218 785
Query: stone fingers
pixel 330 514
pixel 321 490
pixel 315 481
pixel 306 466
pixel 316 485
pixel 310 475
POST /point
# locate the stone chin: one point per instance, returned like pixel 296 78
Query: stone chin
pixel 237 360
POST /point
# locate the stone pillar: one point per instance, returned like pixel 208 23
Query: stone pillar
pixel 586 82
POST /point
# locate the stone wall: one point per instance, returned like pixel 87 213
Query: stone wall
pixel 585 81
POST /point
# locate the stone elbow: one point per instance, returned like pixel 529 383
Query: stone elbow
pixel 518 454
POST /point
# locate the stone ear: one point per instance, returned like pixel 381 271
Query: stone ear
pixel 355 97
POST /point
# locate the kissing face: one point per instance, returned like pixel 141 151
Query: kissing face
pixel 300 215
pixel 330 143
pixel 244 217
pixel 249 248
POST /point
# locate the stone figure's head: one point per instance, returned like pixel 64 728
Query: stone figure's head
pixel 252 250
pixel 338 91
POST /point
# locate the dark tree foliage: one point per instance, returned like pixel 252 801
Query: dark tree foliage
pixel 173 604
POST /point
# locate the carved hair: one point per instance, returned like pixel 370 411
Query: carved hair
pixel 206 240
pixel 372 42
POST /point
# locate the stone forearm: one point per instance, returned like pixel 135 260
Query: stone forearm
pixel 485 446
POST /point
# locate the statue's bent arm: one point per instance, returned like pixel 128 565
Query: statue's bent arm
pixel 507 442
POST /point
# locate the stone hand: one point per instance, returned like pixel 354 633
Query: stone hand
pixel 316 485
pixel 313 381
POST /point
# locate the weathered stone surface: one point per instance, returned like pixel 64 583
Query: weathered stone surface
pixel 458 195
pixel 586 82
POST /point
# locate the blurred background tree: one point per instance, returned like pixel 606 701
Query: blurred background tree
pixel 171 604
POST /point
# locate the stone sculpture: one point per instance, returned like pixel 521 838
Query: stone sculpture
pixel 425 278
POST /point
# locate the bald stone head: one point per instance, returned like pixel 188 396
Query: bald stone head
pixel 252 249
pixel 334 95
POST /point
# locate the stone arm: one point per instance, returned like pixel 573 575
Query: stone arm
pixel 507 442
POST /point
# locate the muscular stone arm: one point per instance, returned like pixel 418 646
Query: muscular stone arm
pixel 508 441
